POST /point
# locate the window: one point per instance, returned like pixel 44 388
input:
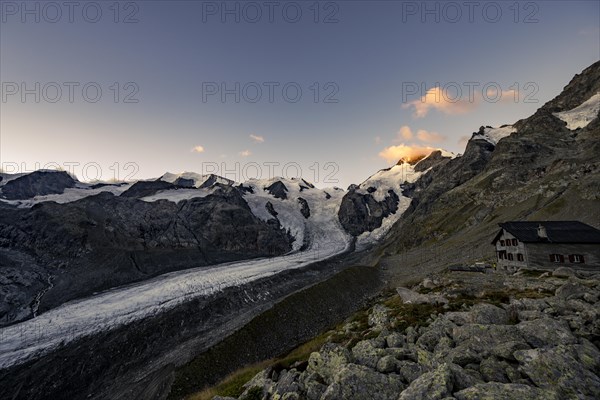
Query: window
pixel 515 242
pixel 502 255
pixel 520 257
pixel 557 258
pixel 576 258
pixel 502 243
pixel 510 256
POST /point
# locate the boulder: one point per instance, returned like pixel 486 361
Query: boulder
pixel 361 383
pixel 287 382
pixel 560 367
pixel 505 391
pixel 458 317
pixel 488 314
pixel 387 364
pixel 563 272
pixel 328 361
pixel 440 328
pixel 434 385
pixel 367 353
pixel 395 339
pixel 506 350
pixel 493 370
pixel 571 290
pixel 409 371
pixel 314 390
pixel 438 384
pixel 546 332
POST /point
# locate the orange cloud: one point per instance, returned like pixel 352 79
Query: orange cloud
pixel 430 137
pixel 393 154
pixel 198 149
pixel 245 153
pixel 256 138
pixel 438 99
pixel 405 133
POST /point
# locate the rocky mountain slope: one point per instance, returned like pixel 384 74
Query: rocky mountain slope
pixel 537 168
pixel 456 336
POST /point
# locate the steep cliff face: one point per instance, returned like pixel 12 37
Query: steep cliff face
pixel 542 170
pixel 104 241
pixel 368 209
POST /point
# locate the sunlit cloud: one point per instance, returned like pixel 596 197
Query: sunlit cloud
pixel 198 149
pixel 405 133
pixel 245 153
pixel 393 154
pixel 437 99
pixel 256 138
pixel 430 137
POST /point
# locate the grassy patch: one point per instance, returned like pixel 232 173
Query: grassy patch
pixel 405 315
pixel 233 384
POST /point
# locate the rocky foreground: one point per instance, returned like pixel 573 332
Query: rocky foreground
pixel 457 335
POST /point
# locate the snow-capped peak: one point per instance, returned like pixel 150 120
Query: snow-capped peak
pixel 582 115
pixel 194 179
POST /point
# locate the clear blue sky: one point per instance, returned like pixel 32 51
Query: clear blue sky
pixel 366 57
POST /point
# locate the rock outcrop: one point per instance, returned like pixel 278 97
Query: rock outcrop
pixel 361 212
pixel 483 351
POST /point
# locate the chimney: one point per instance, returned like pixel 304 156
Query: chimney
pixel 541 232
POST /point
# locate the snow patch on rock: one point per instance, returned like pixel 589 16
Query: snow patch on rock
pixel 582 115
pixel 493 135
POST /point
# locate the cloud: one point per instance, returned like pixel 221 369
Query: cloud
pixel 256 138
pixel 438 99
pixel 245 153
pixel 198 149
pixel 430 137
pixel 393 154
pixel 405 133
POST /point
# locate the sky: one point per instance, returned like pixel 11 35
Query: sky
pixel 330 90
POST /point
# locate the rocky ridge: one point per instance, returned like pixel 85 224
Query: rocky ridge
pixel 540 171
pixel 457 336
